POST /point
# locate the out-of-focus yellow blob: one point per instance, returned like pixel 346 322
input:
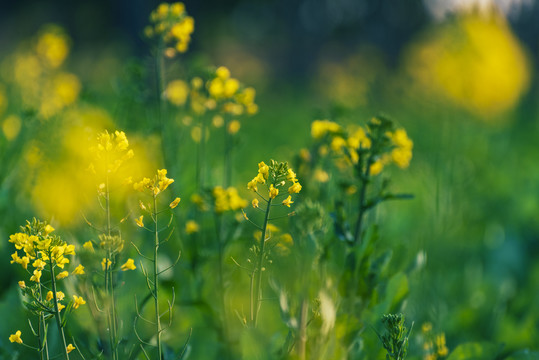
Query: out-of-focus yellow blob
pixel 474 61
pixel 52 46
pixel 11 127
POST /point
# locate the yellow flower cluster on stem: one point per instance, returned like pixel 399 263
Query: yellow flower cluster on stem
pixel 171 24
pixel 274 176
pixel 45 252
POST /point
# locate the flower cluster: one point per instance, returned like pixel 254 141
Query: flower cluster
pixel 379 139
pixel 173 26
pixel 236 101
pixel 434 345
pixel 275 176
pixel 44 252
pixel 43 86
pixel 159 183
pixel 111 151
pixel 227 199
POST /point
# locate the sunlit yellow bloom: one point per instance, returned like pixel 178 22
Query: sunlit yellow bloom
pixel 273 192
pixel 177 8
pixel 105 264
pixel 62 275
pixel 175 203
pixel 191 226
pixel 260 178
pixel 230 87
pixel 16 337
pixel 129 265
pixel 22 284
pixel 291 175
pixel 48 229
pixel 77 301
pixel 255 203
pixel 88 246
pixel 79 270
pixel 61 307
pixel 36 276
pixel 49 296
pixel 70 348
pixel 60 295
pixel 287 201
pixel 295 188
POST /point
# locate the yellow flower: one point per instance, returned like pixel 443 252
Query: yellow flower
pixel 49 296
pixel 175 203
pixel 36 276
pixel 426 327
pixel 129 265
pixel 233 127
pixel 191 227
pixel 377 167
pixel 273 192
pixel 176 92
pixel 78 301
pixel 255 203
pixel 39 264
pixel 139 221
pixel 88 246
pixel 16 337
pixel 22 284
pixel 105 263
pixel 61 307
pixel 263 169
pixel 291 175
pixel 79 270
pixel 48 229
pixel 251 185
pixel 60 295
pixel 25 260
pixel 295 188
pixel 222 73
pixel 70 348
pixel 319 128
pixel 62 275
pixel 287 201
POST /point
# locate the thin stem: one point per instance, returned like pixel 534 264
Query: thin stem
pixel 109 281
pixel 201 158
pixel 227 164
pixel 56 311
pixel 362 195
pixel 258 270
pixel 220 244
pixel 41 330
pixel 156 280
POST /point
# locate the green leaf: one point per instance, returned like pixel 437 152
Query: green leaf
pixel 475 351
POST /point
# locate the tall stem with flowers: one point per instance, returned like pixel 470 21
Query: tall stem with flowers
pixel 154 187
pixel 275 176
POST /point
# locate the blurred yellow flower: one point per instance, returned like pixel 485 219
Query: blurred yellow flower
pixel 62 275
pixel 475 61
pixel 139 221
pixel 191 226
pixel 176 92
pixel 79 270
pixel 175 203
pixel 233 127
pixel 70 348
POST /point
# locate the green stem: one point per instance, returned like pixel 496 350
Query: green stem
pixel 201 158
pixel 156 280
pixel 43 346
pixel 258 270
pixel 56 311
pixel 109 281
pixel 227 164
pixel 364 177
pixel 221 244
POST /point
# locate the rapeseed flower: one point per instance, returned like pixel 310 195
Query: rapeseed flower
pixel 191 226
pixel 70 348
pixel 78 301
pixel 16 337
pixel 129 265
pixel 79 270
pixel 175 203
